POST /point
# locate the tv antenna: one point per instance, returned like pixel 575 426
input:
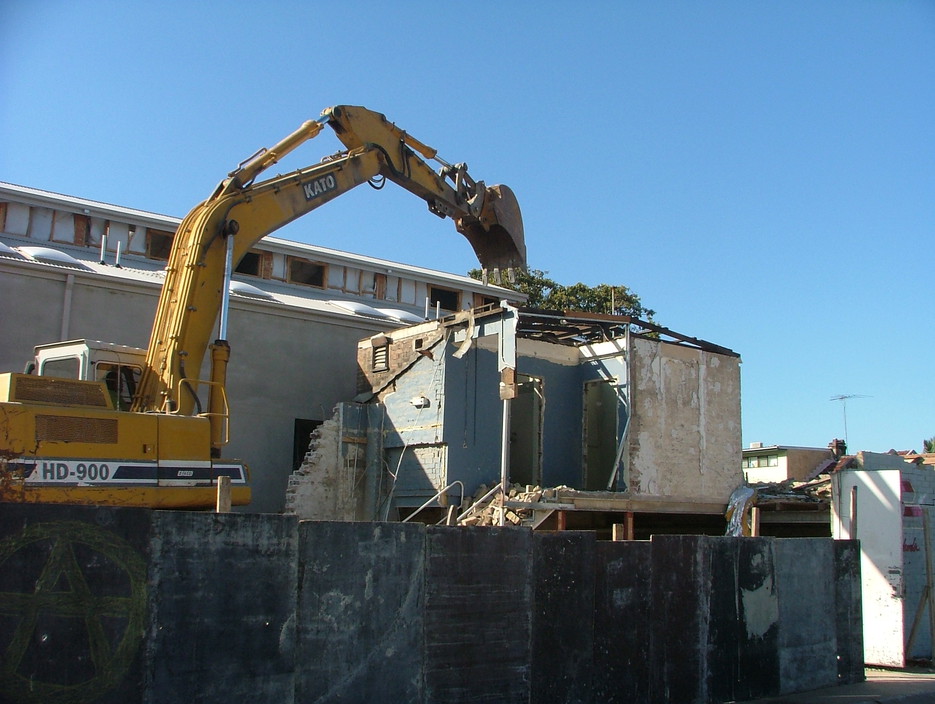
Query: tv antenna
pixel 843 399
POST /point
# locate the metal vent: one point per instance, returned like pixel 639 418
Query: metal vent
pixel 76 429
pixel 381 358
pixel 49 389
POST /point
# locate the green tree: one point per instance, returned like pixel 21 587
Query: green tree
pixel 929 445
pixel 544 292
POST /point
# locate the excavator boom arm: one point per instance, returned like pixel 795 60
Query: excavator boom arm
pixel 248 211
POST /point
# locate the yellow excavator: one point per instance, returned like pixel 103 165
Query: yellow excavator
pixel 143 429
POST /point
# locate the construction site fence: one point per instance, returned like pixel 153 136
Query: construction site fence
pixel 140 606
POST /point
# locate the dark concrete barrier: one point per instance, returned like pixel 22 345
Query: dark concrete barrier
pixel 564 607
pixel 478 611
pixel 75 604
pixel 622 622
pixel 848 616
pixel 127 605
pixel 222 608
pixel 361 605
pixel 756 651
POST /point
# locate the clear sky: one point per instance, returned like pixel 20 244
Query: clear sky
pixel 761 173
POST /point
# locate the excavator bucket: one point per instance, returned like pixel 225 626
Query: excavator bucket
pixel 498 238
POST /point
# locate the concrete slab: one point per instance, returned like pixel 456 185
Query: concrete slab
pixel 74 603
pixel 622 622
pixel 681 575
pixel 478 613
pixel 563 627
pixel 848 619
pixel 757 645
pixel 361 599
pixel 807 613
pixel 222 607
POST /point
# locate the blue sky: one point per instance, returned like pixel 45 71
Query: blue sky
pixel 761 173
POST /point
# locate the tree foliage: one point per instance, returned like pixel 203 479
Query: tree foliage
pixel 544 292
pixel 929 445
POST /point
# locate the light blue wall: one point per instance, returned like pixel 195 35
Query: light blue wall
pixel 473 418
pixel 466 414
pixel 561 428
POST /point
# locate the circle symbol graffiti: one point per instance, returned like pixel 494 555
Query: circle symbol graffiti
pixel 89 588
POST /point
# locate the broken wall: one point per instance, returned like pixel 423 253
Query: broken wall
pixel 684 437
pixel 329 484
pixel 659 419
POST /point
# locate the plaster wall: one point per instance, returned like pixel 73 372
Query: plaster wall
pixel 918 522
pixel 684 439
pixel 867 506
pixel 802 461
pixel 896 525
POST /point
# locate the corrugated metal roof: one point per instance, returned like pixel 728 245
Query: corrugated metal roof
pixel 150 273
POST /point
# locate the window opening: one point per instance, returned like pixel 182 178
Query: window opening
pixel 158 244
pixel 302 271
pixel 445 298
pixel 526 414
pixel 250 264
pixel 600 433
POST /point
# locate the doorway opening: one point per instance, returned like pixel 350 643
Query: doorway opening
pixel 526 412
pixel 600 433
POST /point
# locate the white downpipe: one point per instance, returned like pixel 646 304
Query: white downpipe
pixel 504 460
pixel 226 291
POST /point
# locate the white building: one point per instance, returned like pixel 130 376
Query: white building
pixel 777 463
pixel 887 501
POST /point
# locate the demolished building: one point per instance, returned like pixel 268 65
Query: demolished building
pixel 634 423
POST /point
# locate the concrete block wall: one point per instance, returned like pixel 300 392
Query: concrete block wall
pixel 130 605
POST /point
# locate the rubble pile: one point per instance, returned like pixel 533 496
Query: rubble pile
pixel 486 511
pixel 817 490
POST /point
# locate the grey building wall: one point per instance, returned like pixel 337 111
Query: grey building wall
pixel 285 365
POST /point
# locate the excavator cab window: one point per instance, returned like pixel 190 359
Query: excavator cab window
pixel 64 368
pixel 121 381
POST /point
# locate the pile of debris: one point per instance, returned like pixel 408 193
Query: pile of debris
pixel 814 491
pixel 486 505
